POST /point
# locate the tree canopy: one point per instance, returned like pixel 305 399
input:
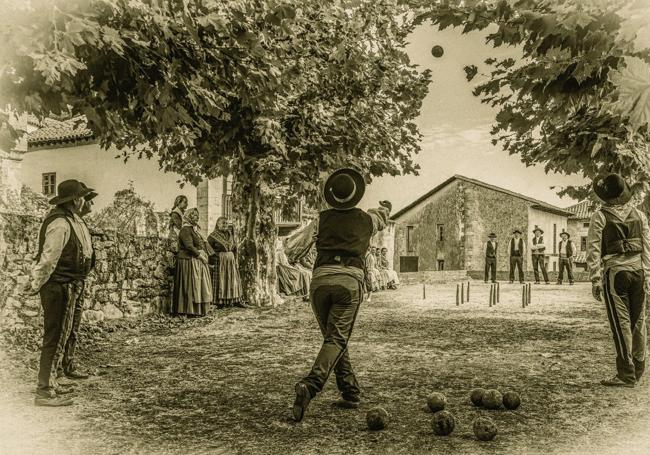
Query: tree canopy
pixel 578 98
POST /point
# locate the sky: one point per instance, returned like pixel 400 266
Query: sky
pixel 456 126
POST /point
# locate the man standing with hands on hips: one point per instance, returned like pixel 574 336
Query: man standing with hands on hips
pixel 64 259
pixel 618 259
pixel 342 235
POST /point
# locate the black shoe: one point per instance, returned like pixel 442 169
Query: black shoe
pixel 570 283
pixel 53 401
pixel 512 282
pixel 347 403
pixel 559 282
pixel 617 382
pixel 547 283
pixel 537 282
pixel 301 402
pixel 76 374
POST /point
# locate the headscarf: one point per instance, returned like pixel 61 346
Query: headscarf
pixel 224 237
pixel 176 209
pixel 195 228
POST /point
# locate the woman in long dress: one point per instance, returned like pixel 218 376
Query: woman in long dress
pixel 373 272
pixel 393 278
pixel 293 279
pixel 192 285
pixel 176 218
pixel 226 282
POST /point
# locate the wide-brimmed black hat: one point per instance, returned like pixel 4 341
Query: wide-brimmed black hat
pixel 537 228
pixel 90 196
pixel 344 188
pixel 612 188
pixel 69 190
pixel 492 235
pixel 565 233
pixel 517 231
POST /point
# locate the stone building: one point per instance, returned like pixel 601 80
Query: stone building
pixel 578 226
pixel 446 229
pixel 57 150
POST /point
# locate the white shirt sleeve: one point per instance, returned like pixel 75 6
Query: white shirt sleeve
pixel 57 235
pixel 594 237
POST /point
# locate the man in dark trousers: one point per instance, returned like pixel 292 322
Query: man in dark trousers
pixel 491 247
pixel 68 367
pixel 618 259
pixel 566 257
pixel 64 259
pixel 342 235
pixel 539 255
pixel 517 255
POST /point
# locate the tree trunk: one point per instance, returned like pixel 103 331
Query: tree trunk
pixel 257 252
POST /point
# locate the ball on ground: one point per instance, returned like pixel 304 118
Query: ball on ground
pixel 484 429
pixel 437 51
pixel 436 402
pixel 492 399
pixel 476 396
pixel 511 400
pixel 377 419
pixel 443 423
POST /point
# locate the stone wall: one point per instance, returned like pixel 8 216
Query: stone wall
pixel 131 277
pixel 430 277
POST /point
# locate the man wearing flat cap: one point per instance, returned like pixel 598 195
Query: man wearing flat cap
pixel 342 235
pixel 517 255
pixel 618 259
pixel 566 250
pixel 65 257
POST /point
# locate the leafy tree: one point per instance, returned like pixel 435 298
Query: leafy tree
pixel 577 100
pixel 274 92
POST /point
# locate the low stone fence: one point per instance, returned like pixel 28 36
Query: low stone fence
pixel 131 277
pixel 432 276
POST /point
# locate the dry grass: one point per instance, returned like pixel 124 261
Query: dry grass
pixel 225 383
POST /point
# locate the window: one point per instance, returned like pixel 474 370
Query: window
pixel 583 243
pixel 49 184
pixel 441 232
pixel 585 225
pixel 441 264
pixel 410 247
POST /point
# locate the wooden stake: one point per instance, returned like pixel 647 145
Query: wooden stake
pixel 462 293
pixel 424 292
pixel 498 292
pixel 491 294
pixel 530 290
pixel 468 291
pixel 457 295
pixel 524 293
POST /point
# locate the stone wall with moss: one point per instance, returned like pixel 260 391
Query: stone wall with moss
pixel 132 277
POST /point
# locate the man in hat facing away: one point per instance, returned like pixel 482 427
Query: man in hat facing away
pixel 342 235
pixel 566 257
pixel 64 259
pixel 517 255
pixel 491 247
pixel 68 367
pixel 539 254
pixel 618 258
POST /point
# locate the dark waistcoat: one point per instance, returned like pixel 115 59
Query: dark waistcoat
pixel 512 247
pixel 535 242
pixel 490 250
pixel 622 237
pixel 343 238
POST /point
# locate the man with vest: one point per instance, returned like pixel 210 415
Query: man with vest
pixel 539 255
pixel 517 255
pixel 491 247
pixel 68 368
pixel 566 257
pixel 618 259
pixel 64 259
pixel 342 235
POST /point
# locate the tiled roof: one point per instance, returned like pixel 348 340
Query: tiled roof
pixel 582 210
pixel 54 132
pixel 536 204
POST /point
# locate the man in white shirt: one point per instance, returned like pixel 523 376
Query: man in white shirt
pixel 539 255
pixel 566 257
pixel 64 259
pixel 491 247
pixel 517 254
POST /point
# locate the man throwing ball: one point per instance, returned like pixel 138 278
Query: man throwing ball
pixel 618 257
pixel 342 235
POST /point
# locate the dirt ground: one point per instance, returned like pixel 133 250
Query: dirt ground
pixel 224 384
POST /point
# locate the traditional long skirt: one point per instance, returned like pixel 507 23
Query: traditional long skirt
pixel 293 280
pixel 226 282
pixel 192 287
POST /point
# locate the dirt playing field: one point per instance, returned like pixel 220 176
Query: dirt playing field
pixel 224 384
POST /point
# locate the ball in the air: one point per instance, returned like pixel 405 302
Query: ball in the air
pixel 511 400
pixel 436 402
pixel 477 396
pixel 443 423
pixel 484 429
pixel 492 399
pixel 437 51
pixel 377 419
